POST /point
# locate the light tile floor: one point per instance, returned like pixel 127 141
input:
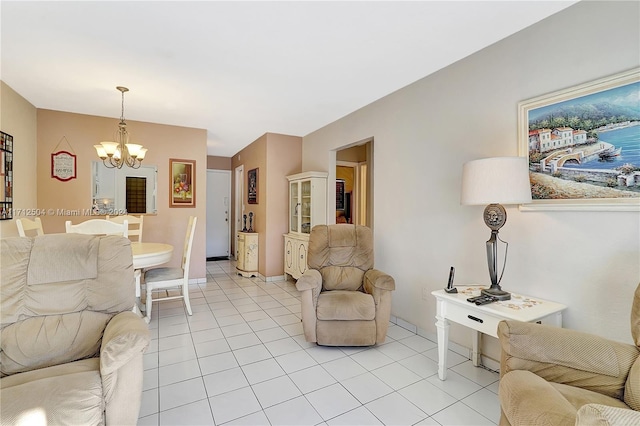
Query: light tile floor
pixel 241 359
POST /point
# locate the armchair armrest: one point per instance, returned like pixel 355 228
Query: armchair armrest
pixel 124 341
pixel 379 285
pixel 311 279
pixel 378 279
pixel 566 356
pixel 310 284
pixel 125 336
pixel 602 415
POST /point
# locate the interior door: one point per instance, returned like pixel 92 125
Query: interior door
pixel 218 209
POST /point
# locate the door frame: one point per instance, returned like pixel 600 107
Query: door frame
pixel 239 205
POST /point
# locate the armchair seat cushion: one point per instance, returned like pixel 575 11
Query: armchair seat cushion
pixel 345 305
pixel 63 394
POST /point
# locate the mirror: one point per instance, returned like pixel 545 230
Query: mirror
pixel 123 191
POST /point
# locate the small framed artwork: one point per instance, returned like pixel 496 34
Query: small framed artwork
pixel 252 193
pixel 583 146
pixel 339 194
pixel 182 183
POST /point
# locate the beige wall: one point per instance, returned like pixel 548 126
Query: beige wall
pixel 423 134
pixel 18 118
pixel 82 132
pixel 275 156
pixel 218 163
pixel 284 157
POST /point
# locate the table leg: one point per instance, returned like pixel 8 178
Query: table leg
pixel 477 348
pixel 442 327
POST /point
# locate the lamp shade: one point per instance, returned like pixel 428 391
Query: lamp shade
pixel 498 180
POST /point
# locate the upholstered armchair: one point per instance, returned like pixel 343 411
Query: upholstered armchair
pixel 556 376
pixel 71 349
pixel 345 302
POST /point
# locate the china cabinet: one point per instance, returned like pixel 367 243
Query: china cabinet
pixel 307 208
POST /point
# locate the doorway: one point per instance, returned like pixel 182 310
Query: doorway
pixel 218 205
pixel 354 175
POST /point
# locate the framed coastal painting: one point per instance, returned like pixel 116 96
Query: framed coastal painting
pixel 182 183
pixel 583 145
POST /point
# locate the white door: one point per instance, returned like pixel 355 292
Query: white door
pixel 218 208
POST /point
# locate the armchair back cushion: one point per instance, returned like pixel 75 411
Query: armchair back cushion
pixel 342 254
pixel 52 313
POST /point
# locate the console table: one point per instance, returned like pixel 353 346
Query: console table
pixel 484 319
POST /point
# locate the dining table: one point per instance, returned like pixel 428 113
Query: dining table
pixel 147 255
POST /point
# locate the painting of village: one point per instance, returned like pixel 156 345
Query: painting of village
pixel 586 147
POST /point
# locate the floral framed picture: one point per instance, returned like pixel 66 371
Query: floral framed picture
pixel 583 145
pixel 183 183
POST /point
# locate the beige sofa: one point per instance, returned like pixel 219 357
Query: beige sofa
pixel 556 376
pixel 345 302
pixel 70 347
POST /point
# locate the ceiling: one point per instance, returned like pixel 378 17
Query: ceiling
pixel 240 69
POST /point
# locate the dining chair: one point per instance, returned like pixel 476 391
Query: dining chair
pixel 160 280
pixel 135 231
pixel 135 235
pixel 98 227
pixel 26 225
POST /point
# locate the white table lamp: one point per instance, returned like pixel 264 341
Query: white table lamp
pixel 495 181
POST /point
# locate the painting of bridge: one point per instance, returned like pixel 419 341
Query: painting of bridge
pixel 583 143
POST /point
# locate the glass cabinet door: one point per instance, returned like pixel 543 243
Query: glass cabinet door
pixel 305 218
pixel 294 207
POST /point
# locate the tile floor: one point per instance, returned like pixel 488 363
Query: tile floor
pixel 241 359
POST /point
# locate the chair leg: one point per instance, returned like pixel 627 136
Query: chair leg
pixel 185 294
pixel 148 302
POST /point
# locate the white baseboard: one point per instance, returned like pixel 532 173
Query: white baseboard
pixel 275 278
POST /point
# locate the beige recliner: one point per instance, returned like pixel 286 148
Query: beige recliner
pixel 345 302
pixel 70 347
pixel 556 376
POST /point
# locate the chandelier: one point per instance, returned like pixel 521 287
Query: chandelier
pixel 121 152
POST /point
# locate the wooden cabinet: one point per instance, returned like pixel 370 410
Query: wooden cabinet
pixel 247 254
pixel 307 208
pixel 295 255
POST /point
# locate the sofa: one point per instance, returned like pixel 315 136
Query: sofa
pixel 556 376
pixel 344 300
pixel 70 346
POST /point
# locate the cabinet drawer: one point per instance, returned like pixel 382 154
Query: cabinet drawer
pixel 473 318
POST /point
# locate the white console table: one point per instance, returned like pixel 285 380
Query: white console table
pixel 485 318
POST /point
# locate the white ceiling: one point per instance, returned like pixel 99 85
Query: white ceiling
pixel 240 69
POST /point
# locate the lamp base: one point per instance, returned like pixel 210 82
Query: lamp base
pixel 496 292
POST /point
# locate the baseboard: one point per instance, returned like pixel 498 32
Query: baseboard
pixel 275 278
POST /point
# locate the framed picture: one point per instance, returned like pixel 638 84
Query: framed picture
pixel 252 193
pixel 583 145
pixel 183 183
pixel 339 194
pixel 63 165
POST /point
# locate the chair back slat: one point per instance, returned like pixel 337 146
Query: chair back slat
pixel 98 227
pixel 135 225
pixel 26 225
